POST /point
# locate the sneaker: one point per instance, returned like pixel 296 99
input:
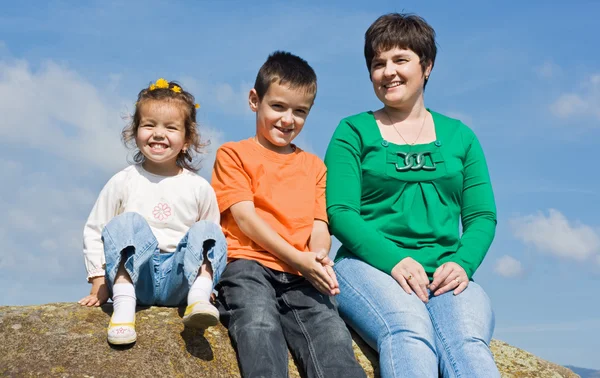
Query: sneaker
pixel 201 315
pixel 121 333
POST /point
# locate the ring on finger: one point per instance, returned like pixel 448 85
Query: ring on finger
pixel 457 280
pixel 409 277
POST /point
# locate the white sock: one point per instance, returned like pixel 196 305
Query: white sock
pixel 123 303
pixel 200 291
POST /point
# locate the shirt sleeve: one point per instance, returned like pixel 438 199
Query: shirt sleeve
pixel 229 180
pixel 344 188
pixel 320 203
pixel 209 208
pixel 478 210
pixel 107 206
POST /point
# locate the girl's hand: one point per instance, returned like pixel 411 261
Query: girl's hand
pixel 449 276
pixel 317 274
pixel 98 294
pixel 412 277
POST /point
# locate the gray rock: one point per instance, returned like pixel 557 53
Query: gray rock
pixel 68 340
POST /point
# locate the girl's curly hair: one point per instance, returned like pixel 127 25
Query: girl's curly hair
pixel 175 93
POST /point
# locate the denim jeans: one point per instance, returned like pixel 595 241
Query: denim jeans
pixel 161 278
pixel 266 311
pixel 449 336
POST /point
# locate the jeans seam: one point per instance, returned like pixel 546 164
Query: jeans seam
pixel 308 339
pixel 446 347
pixel 340 277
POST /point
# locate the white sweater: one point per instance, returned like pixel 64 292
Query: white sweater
pixel 170 205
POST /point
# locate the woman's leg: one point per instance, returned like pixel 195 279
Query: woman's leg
pixel 464 325
pixel 392 322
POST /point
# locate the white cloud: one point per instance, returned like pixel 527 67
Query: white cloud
pixel 508 266
pixel 556 235
pixel 585 102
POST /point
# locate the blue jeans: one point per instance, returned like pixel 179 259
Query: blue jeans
pixel 266 311
pixel 449 336
pixel 161 278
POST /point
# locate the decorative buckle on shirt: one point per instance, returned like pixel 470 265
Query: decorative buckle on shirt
pixel 414 161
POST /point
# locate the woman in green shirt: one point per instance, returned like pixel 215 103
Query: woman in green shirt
pixel 399 180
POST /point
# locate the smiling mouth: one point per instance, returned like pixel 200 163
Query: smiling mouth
pixel 158 146
pixel 393 84
pixel 285 131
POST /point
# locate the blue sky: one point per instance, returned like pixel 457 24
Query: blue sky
pixel 524 75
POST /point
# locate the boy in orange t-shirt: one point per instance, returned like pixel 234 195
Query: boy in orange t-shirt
pixel 278 285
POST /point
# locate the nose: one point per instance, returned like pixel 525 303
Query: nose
pixel 159 133
pixel 287 118
pixel 390 69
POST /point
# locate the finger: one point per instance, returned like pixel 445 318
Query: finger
pixel 439 276
pixel 424 281
pixel 325 260
pixel 324 275
pixel 416 286
pixel 332 275
pixel 404 284
pixel 461 287
pixel 450 284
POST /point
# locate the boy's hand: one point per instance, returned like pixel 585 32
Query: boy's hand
pixel 323 258
pixel 98 294
pixel 317 274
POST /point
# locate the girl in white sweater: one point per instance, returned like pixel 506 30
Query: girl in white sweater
pixel 153 236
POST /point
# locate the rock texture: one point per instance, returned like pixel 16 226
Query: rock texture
pixel 67 340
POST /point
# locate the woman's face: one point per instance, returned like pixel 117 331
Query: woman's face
pixel 397 77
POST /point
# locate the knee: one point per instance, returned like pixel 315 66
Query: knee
pixel 129 220
pixel 208 230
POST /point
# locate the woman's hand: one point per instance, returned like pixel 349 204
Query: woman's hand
pixel 98 294
pixel 412 277
pixel 447 277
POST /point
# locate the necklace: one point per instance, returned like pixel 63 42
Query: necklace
pixel 398 132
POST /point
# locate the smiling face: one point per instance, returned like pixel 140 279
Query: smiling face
pixel 160 136
pixel 280 115
pixel 398 77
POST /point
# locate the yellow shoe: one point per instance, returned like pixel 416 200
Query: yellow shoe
pixel 201 314
pixel 121 333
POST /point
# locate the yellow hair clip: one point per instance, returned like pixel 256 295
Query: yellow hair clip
pixel 176 89
pixel 197 106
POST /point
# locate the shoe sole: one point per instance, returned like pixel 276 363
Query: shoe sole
pixel 200 320
pixel 122 341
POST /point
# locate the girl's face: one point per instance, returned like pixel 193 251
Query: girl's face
pixel 160 136
pixel 398 77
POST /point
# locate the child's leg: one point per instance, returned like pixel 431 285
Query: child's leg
pixel 317 336
pixel 199 260
pixel 248 305
pixel 128 247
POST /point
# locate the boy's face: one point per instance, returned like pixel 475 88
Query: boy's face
pixel 280 115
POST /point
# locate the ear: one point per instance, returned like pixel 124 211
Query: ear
pixel 428 69
pixel 253 100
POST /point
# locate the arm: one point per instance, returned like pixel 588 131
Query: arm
pixel 253 226
pixel 478 211
pixel 344 189
pixel 106 207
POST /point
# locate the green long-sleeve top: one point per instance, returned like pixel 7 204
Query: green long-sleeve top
pixel 386 201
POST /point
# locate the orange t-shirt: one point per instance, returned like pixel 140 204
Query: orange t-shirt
pixel 288 192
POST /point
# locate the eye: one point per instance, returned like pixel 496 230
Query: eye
pixel 172 128
pixel 301 111
pixel 277 106
pixel 147 125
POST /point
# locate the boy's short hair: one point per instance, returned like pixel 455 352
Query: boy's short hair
pixel 404 31
pixel 285 68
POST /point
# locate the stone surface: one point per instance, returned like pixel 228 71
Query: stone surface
pixel 67 340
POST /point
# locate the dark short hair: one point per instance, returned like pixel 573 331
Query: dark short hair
pixel 285 68
pixel 404 31
pixel 185 100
